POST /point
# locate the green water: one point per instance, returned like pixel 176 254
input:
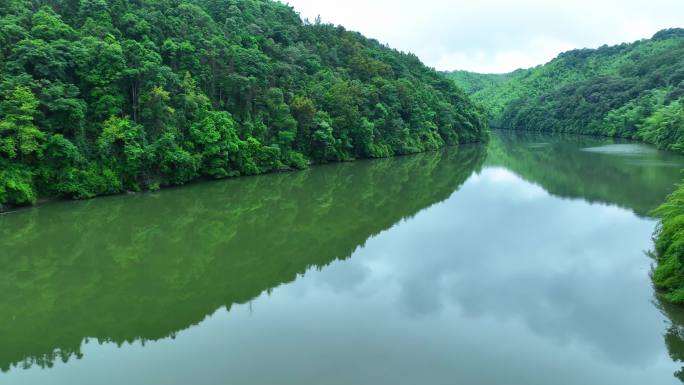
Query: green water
pixel 519 262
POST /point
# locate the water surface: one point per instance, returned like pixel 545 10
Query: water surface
pixel 519 263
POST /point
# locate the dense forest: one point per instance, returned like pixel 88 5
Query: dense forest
pixel 633 91
pixel 105 96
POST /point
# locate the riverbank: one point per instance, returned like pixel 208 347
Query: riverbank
pixel 8 208
pixel 668 274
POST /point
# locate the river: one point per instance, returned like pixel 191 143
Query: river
pixel 523 261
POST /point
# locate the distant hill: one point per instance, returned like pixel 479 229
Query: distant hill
pixel 629 90
pixel 472 82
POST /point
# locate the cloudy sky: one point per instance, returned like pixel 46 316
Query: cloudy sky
pixel 496 35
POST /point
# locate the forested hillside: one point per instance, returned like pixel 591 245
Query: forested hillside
pixel 633 91
pixel 473 82
pixel 104 96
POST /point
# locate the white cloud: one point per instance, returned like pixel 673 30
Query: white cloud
pixel 496 35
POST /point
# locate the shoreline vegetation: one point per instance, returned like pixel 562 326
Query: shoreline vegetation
pixel 633 91
pixel 55 199
pixel 102 97
pixel 668 274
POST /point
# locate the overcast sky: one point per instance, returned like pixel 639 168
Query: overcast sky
pixel 496 35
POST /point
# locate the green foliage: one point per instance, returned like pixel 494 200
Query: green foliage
pixel 668 275
pixel 215 139
pixel 16 184
pixel 176 165
pixel 103 96
pixel 122 148
pixel 19 137
pixel 665 126
pixel 472 82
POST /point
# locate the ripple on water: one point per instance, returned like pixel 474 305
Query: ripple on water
pixel 538 145
pixel 656 163
pixel 622 149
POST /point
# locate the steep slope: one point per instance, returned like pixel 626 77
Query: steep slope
pixel 104 96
